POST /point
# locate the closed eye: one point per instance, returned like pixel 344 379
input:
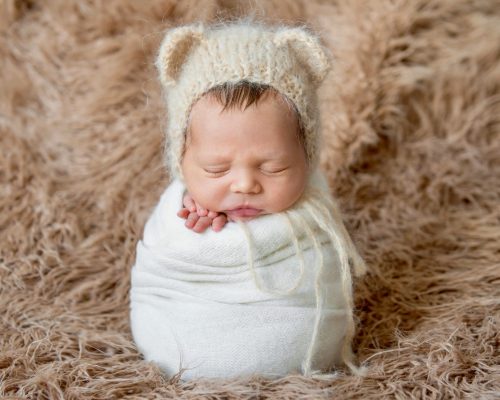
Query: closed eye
pixel 215 172
pixel 273 171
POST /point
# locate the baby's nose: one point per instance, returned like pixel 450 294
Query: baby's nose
pixel 245 182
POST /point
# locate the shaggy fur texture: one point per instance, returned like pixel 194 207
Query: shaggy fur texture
pixel 411 117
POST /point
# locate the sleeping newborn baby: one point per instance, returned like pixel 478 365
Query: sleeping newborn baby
pixel 267 290
pixel 244 156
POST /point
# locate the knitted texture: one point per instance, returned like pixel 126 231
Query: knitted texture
pixel 194 58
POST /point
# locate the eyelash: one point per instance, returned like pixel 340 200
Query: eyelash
pixel 218 173
pixel 275 171
pixel 214 173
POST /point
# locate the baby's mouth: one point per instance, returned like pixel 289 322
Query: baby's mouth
pixel 243 212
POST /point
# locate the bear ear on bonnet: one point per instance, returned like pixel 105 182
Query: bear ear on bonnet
pixel 307 49
pixel 174 50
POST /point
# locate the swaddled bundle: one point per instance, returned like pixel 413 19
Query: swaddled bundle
pixel 270 296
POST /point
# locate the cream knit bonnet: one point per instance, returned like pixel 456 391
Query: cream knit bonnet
pixel 194 58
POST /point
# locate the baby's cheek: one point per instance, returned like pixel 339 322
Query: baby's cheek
pixel 288 194
pixel 208 195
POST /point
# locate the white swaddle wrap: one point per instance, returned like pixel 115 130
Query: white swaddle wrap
pixel 221 305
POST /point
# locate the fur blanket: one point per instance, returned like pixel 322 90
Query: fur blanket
pixel 412 141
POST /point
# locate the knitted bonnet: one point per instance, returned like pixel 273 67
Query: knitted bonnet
pixel 194 58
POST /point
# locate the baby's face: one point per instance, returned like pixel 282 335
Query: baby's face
pixel 244 163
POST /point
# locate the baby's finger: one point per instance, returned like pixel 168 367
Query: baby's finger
pixel 183 213
pixel 202 212
pixel 189 202
pixel 202 224
pixel 219 222
pixel 212 214
pixel 191 220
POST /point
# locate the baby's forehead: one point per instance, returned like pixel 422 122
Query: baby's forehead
pixel 204 125
pixel 206 144
pixel 229 109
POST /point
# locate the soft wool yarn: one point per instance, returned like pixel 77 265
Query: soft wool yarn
pixel 273 309
pixel 195 58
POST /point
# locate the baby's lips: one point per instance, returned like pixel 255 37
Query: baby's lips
pixel 243 212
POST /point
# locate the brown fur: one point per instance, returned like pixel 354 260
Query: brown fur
pixel 411 118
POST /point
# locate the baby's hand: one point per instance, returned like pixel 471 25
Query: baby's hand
pixel 198 218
